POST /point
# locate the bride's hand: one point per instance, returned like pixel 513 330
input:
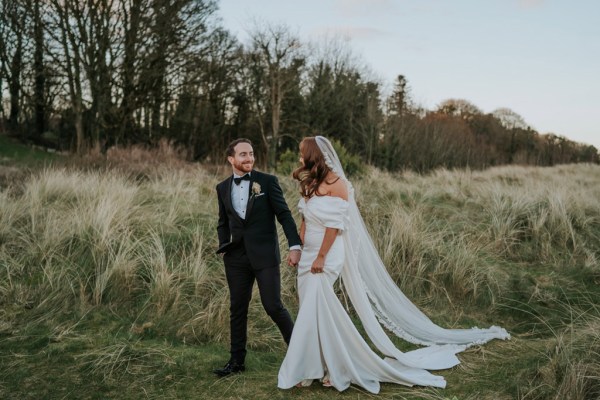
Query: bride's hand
pixel 318 265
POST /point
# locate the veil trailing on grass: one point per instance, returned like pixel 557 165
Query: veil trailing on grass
pixel 375 296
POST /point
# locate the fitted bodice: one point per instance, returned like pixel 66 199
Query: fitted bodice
pixel 321 212
pixel 324 212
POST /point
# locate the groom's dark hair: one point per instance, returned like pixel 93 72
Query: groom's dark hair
pixel 231 148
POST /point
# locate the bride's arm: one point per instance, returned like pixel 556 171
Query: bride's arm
pixel 302 230
pixel 328 239
pixel 337 189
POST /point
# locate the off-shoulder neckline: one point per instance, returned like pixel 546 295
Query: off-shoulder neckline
pixel 332 197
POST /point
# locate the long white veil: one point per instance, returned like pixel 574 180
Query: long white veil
pixel 375 296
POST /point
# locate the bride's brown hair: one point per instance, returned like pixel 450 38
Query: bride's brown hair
pixel 314 171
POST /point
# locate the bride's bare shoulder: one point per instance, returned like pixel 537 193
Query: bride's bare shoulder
pixel 337 187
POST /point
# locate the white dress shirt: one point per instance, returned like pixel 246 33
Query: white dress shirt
pixel 239 196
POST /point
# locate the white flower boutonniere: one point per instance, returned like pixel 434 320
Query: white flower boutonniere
pixel 256 188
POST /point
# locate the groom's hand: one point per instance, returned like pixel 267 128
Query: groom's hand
pixel 293 258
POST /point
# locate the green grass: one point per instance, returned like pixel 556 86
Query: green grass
pixel 110 288
pixel 109 361
pixel 12 152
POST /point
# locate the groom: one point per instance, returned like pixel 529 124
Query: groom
pixel 249 202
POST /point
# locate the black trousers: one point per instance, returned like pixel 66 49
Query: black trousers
pixel 240 279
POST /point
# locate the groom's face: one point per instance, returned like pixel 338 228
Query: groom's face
pixel 243 159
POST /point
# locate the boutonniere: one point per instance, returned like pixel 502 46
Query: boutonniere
pixel 256 188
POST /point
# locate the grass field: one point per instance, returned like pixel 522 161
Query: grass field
pixel 12 152
pixel 110 288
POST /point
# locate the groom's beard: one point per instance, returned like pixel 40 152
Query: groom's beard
pixel 245 166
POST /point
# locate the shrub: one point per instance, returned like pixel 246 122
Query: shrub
pixel 353 167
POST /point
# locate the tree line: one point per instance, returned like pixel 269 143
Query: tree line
pixel 82 76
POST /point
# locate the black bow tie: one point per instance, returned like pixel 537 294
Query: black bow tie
pixel 237 180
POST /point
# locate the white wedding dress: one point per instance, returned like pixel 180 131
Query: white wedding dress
pixel 326 344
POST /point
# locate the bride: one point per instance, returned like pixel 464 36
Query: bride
pixel 325 344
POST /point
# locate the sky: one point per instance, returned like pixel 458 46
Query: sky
pixel 540 58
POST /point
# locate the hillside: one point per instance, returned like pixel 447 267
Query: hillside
pixel 110 288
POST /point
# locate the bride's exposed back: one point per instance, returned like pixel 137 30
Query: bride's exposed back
pixel 325 344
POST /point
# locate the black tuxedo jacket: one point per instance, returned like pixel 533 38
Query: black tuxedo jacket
pixel 257 231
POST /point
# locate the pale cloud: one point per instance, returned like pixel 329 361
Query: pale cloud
pixel 351 32
pixel 354 8
pixel 531 3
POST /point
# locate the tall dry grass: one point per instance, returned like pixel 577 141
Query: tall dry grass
pixel 569 364
pixel 93 237
pixel 449 230
pixel 465 245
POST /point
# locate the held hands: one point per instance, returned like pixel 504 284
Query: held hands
pixel 293 258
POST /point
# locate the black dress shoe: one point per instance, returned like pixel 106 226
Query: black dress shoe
pixel 229 368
